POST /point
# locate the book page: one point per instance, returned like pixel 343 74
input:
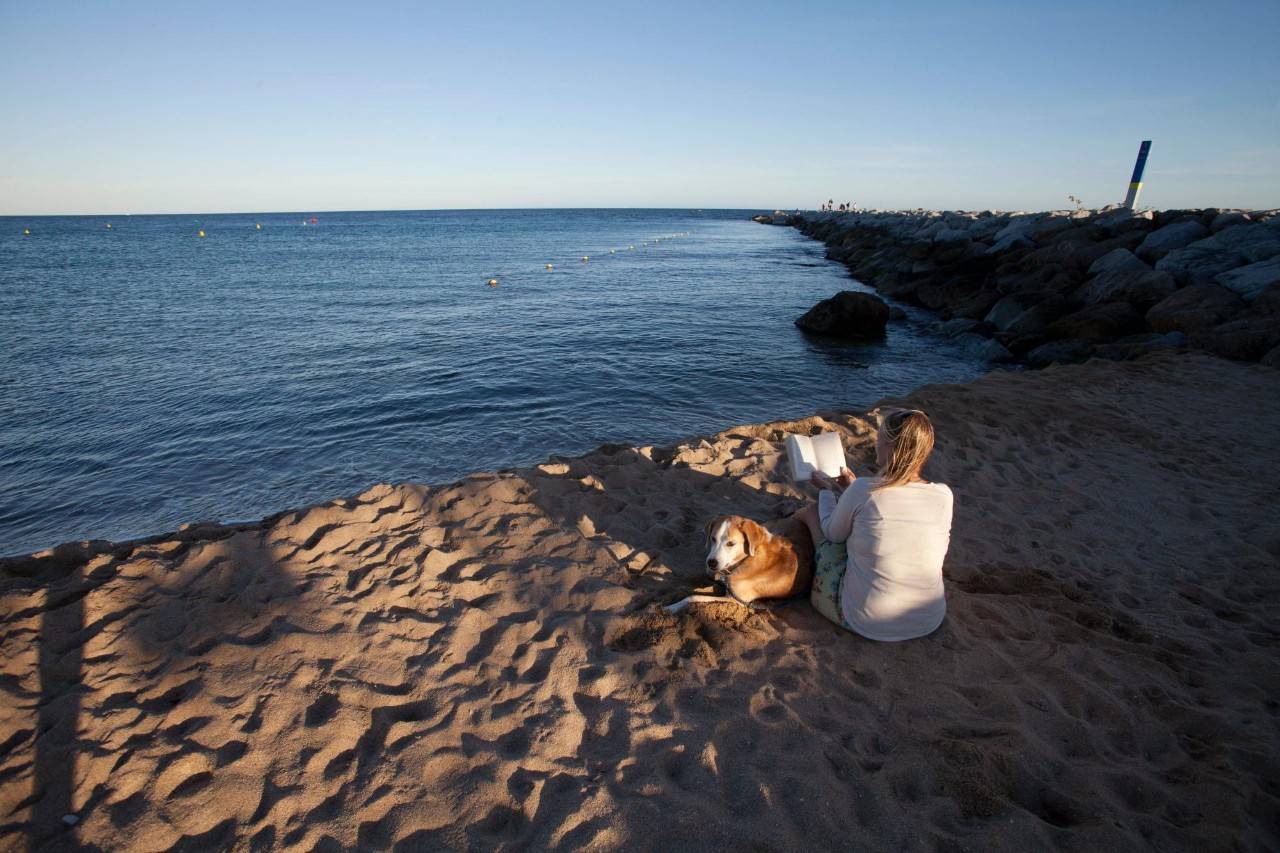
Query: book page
pixel 802 457
pixel 828 453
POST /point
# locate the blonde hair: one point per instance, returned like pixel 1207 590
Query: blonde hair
pixel 912 435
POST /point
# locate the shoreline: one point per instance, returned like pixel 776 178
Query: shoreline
pixel 483 662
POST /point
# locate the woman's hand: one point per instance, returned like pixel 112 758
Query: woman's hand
pixel 846 478
pixel 821 480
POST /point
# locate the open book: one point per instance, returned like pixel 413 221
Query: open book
pixel 822 452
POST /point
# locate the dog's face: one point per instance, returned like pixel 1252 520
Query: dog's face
pixel 728 542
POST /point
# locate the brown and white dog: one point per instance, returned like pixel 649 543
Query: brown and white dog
pixel 756 562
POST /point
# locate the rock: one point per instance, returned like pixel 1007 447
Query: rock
pixel 952 235
pixel 984 348
pixel 1005 312
pixel 1226 219
pixel 848 314
pixel 1037 319
pixel 1252 280
pixel 1136 346
pixel 1195 308
pixel 1164 240
pixel 1051 224
pixel 1244 339
pixel 1117 259
pixel 1121 218
pixel 1059 352
pixel 70 819
pixel 1267 304
pixel 1142 287
pixel 1252 241
pixel 1017 240
pixel 1018 226
pixel 1272 358
pixel 1097 322
pixel 955 328
pixel 1199 263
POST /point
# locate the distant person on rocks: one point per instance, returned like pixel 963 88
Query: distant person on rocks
pixel 880 541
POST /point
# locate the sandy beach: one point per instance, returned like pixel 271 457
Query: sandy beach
pixel 484 664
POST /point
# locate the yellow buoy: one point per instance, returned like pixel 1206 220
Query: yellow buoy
pixel 631 248
pixel 548 266
pixel 258 226
pixel 611 251
pixel 493 282
pixel 108 226
pixel 26 232
pixel 585 259
pixel 201 234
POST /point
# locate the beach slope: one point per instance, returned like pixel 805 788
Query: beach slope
pixel 484 664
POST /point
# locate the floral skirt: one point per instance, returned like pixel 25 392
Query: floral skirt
pixel 830 561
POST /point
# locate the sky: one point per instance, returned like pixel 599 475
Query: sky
pixel 136 107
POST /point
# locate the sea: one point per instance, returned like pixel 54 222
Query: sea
pixel 158 370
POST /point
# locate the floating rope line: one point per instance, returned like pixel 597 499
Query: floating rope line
pixel 494 277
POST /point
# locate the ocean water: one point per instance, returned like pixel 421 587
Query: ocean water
pixel 150 377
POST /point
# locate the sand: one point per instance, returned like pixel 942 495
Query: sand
pixel 483 665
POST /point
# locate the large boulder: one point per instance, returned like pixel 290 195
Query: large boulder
pixel 1164 240
pixel 1136 346
pixel 1243 339
pixel 1200 262
pixel 1005 312
pixel 1015 240
pixel 1037 319
pixel 848 314
pixel 1252 241
pixel 1252 280
pixel 958 326
pixel 1228 218
pixel 1059 352
pixel 1097 322
pixel 1117 259
pixel 1140 287
pixel 1267 304
pixel 984 348
pixel 1195 308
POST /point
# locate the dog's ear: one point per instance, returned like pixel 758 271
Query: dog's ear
pixel 752 534
pixel 713 524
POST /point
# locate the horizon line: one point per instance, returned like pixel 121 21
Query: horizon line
pixel 317 211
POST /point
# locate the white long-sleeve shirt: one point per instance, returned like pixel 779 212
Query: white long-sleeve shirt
pixel 897 538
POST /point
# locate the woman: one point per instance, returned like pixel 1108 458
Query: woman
pixel 881 540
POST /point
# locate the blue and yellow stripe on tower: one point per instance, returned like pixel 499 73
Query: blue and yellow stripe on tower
pixel 1135 183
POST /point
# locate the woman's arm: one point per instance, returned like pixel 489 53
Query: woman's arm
pixel 836 515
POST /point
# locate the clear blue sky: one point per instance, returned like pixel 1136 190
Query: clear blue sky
pixel 182 107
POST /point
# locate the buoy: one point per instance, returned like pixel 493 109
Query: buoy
pixel 258 226
pixel 314 220
pixel 26 232
pixel 548 266
pixel 493 282
pixel 201 234
pixel 108 226
pixel 631 248
pixel 584 259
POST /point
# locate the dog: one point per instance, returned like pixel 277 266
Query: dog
pixel 754 562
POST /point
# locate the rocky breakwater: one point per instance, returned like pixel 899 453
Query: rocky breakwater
pixel 1065 286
